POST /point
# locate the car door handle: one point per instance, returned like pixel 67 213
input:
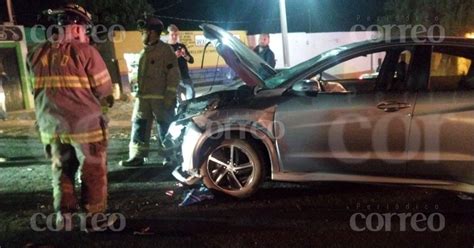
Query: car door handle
pixel 392 106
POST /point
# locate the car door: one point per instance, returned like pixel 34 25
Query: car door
pixel 442 144
pixel 363 131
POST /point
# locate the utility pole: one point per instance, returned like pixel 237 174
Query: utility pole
pixel 11 17
pixel 284 33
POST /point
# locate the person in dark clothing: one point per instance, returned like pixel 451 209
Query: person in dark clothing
pixel 184 57
pixel 264 51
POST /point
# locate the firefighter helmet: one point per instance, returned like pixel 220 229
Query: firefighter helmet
pixel 70 14
pixel 150 23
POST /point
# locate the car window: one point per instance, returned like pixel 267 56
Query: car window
pixel 359 68
pixel 449 72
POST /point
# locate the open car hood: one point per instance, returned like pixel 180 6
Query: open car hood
pixel 246 64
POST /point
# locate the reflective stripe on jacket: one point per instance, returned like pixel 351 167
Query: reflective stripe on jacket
pixel 69 79
pixel 158 73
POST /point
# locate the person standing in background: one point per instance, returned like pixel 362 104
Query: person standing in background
pixel 158 78
pixel 263 50
pixel 184 57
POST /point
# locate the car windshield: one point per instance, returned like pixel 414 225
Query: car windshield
pixel 288 74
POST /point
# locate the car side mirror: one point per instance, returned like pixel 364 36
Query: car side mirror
pixel 306 87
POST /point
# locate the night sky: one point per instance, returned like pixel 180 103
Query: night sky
pixel 255 16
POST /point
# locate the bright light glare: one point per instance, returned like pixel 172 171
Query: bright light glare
pixel 191 137
pixel 175 130
pixel 225 40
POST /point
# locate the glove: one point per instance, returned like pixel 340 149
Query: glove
pixel 106 103
pixel 109 101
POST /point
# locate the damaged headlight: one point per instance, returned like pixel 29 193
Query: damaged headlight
pixel 175 130
pixel 190 109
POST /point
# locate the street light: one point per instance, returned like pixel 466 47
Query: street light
pixel 284 33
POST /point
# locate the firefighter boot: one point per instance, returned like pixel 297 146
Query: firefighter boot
pixel 135 161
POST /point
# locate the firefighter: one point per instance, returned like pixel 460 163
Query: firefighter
pixel 158 78
pixel 71 85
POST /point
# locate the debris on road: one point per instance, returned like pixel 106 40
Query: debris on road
pixel 143 232
pixel 170 193
pixel 194 196
pixel 33 245
pixel 465 197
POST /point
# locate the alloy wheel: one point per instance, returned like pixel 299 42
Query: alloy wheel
pixel 230 167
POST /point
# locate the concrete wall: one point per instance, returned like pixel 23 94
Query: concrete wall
pixel 130 43
pixel 304 46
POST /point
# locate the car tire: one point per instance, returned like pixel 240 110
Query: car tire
pixel 240 179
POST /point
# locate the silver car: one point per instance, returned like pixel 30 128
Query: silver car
pixel 413 123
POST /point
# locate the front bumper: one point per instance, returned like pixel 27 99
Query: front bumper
pixel 188 172
pixel 185 178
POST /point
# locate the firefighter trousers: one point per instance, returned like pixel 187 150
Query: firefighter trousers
pixel 88 162
pixel 145 112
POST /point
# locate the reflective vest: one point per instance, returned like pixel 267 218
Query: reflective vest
pixel 69 80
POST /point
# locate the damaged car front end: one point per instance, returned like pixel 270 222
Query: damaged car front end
pixel 207 121
pixel 221 131
pixel 194 117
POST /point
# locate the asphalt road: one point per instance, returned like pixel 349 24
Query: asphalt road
pixel 279 215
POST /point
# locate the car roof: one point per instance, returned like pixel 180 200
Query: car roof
pixel 426 40
pixel 362 47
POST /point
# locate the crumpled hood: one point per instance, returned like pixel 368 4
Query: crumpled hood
pixel 214 100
